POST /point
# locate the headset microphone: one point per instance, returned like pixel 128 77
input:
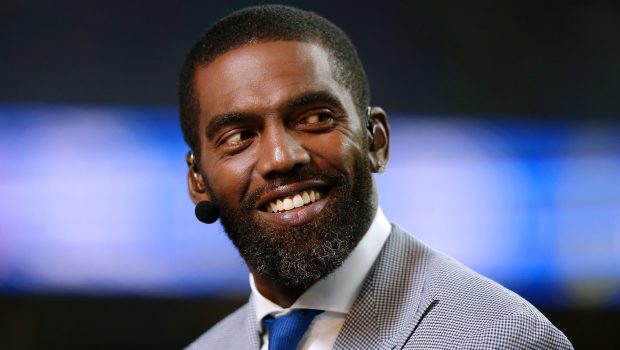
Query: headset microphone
pixel 207 212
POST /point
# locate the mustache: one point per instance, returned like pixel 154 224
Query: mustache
pixel 332 180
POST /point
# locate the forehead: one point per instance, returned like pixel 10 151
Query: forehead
pixel 259 77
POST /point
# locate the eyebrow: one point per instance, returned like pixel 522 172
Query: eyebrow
pixel 221 121
pixel 314 97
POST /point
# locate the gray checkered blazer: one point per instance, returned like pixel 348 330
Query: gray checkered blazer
pixel 417 298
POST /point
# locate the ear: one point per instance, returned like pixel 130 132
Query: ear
pixel 195 182
pixel 379 139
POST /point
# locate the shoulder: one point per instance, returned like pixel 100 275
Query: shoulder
pixel 225 333
pixel 518 330
pixel 464 290
pixel 472 311
pixel 486 314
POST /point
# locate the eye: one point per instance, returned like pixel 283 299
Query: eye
pixel 316 120
pixel 236 138
pixel 311 119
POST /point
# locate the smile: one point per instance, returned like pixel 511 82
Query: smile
pixel 295 203
pixel 291 202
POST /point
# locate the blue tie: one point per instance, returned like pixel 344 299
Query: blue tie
pixel 286 331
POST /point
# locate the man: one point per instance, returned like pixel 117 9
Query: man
pixel 275 106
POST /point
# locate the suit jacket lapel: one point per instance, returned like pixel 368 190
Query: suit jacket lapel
pixel 393 299
pixel 251 338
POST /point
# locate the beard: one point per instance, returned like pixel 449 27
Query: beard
pixel 301 255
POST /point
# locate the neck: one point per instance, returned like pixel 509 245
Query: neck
pixel 283 296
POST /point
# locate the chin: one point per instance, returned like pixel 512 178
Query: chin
pixel 297 247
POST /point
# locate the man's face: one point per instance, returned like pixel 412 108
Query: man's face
pixel 284 155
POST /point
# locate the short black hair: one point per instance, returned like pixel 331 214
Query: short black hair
pixel 269 23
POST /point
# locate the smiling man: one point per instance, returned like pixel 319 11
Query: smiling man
pixel 275 106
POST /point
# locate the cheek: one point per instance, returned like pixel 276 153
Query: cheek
pixel 337 150
pixel 230 178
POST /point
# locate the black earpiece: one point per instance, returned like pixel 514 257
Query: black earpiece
pixel 207 212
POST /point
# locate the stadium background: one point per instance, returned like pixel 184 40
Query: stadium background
pixel 505 154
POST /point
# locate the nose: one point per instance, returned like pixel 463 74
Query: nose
pixel 280 152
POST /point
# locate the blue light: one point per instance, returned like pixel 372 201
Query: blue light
pixel 94 200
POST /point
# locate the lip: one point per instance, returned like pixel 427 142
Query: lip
pixel 296 216
pixel 289 190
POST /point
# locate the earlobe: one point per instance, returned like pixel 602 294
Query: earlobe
pixel 379 146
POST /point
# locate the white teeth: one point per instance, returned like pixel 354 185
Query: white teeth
pixel 288 204
pixel 296 201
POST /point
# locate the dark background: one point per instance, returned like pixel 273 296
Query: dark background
pixel 543 58
pixel 492 59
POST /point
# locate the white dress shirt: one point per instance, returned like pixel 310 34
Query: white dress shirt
pixel 334 294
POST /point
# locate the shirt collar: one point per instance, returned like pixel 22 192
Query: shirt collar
pixel 338 290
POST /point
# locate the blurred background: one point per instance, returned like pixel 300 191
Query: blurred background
pixel 505 155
